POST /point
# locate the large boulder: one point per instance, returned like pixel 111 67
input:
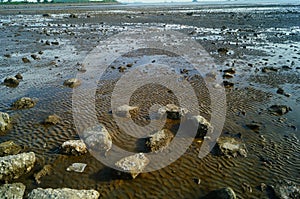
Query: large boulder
pixel 98 139
pixel 159 140
pixel 64 193
pixel 126 111
pixel 14 166
pixel 231 147
pixel 9 148
pixel 134 164
pixel 224 193
pixel 204 126
pixel 4 121
pixel 74 147
pixel 11 82
pixel 172 111
pixel 24 103
pixel 12 191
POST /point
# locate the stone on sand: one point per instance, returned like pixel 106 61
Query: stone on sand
pixel 223 193
pixel 63 193
pixel 126 111
pixel 204 126
pixel 9 148
pixel 74 147
pixel 172 111
pixel 24 103
pixel 12 191
pixel 230 147
pixel 72 83
pixel 11 82
pixel 4 121
pixel 159 140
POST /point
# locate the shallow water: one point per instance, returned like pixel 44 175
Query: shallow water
pixel 276 43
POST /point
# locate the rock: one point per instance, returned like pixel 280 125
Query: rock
pixel 134 164
pixel 19 76
pixel 72 83
pixel 159 140
pixel 77 167
pixel 203 125
pixel 282 92
pixel 269 69
pixel 25 60
pixel 227 75
pixel 35 57
pixel 4 122
pixel 172 111
pixel 230 71
pixel 55 43
pixel 223 50
pixel 98 139
pixel 7 55
pixel 52 119
pixel 228 84
pixel 74 147
pixel 73 16
pixel 126 111
pixel 24 103
pixel 231 147
pixel 279 109
pixel 11 82
pixel 48 43
pixel 9 148
pixel 254 126
pixel 64 193
pixel 287 190
pixel 46 170
pixel 14 166
pixel 224 193
pixel 122 69
pixel 12 191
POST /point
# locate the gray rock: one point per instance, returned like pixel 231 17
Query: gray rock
pixel 98 139
pixel 4 121
pixel 231 147
pixel 72 83
pixel 11 82
pixel 126 111
pixel 52 119
pixel 224 193
pixel 12 191
pixel 134 164
pixel 159 140
pixel 287 190
pixel 64 193
pixel 24 103
pixel 172 111
pixel 19 76
pixel 204 126
pixel 14 166
pixel 279 109
pixel 77 167
pixel 35 57
pixel 74 147
pixel 9 148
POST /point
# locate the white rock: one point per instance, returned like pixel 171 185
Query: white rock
pixel 4 121
pixel 64 193
pixel 77 167
pixel 74 147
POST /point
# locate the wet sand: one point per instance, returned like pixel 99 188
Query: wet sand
pixel 255 37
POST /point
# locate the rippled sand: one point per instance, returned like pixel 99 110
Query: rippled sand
pixel 255 40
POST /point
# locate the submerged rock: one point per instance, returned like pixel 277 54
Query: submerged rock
pixel 172 111
pixel 126 111
pixel 19 76
pixel 64 193
pixel 72 83
pixel 25 60
pixel 159 140
pixel 9 148
pixel 14 166
pixel 77 167
pixel 52 119
pixel 287 190
pixel 228 84
pixel 4 121
pixel 74 147
pixel 98 139
pixel 46 170
pixel 269 69
pixel 12 191
pixel 204 126
pixel 24 103
pixel 231 147
pixel 134 164
pixel 11 82
pixel 279 109
pixel 254 126
pixel 224 193
pixel 223 50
